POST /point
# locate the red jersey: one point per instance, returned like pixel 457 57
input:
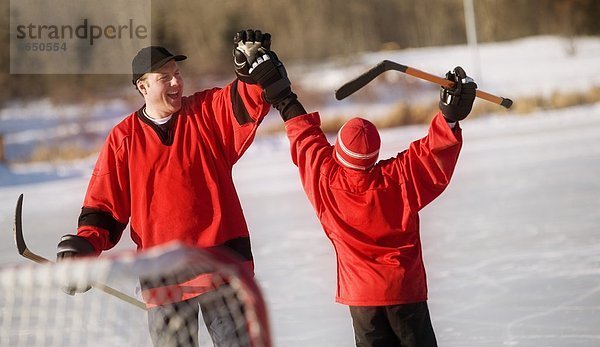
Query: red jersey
pixel 371 217
pixel 175 182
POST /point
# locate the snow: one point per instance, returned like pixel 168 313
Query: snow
pixel 511 248
pixel 525 66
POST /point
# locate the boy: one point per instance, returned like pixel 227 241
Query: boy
pixel 369 211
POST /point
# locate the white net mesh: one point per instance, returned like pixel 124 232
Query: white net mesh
pixel 34 310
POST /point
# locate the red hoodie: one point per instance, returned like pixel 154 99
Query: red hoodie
pixel 371 217
pixel 176 184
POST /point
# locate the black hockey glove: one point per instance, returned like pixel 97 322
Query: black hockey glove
pixel 245 48
pixel 73 246
pixel 456 103
pixel 268 71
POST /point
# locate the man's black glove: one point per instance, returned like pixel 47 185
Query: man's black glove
pixel 73 246
pixel 456 103
pixel 246 44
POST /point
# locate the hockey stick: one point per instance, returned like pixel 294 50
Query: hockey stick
pixel 25 252
pixel 352 86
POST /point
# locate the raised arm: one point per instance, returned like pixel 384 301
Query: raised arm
pixel 261 82
pixel 426 167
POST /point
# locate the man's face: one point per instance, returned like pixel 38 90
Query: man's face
pixel 162 90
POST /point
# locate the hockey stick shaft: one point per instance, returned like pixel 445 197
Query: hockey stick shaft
pixel 25 252
pixel 386 65
pixel 449 84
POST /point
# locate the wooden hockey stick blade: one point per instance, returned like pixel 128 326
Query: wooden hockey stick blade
pixel 352 86
pixel 386 65
pixel 25 252
pixel 18 229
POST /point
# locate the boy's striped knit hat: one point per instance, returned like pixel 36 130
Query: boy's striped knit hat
pixel 357 144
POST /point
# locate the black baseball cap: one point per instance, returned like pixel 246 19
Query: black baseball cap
pixel 150 59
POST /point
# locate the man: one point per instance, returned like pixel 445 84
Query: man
pixel 369 211
pixel 167 170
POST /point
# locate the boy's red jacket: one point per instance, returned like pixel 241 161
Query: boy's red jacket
pixel 371 217
pixel 176 185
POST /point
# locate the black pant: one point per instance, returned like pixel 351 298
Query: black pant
pixel 407 325
pixel 176 325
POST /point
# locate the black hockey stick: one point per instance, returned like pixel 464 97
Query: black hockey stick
pixel 25 252
pixel 352 86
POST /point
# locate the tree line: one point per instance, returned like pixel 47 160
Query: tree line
pixel 310 30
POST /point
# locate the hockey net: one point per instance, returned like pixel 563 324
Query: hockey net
pixel 34 310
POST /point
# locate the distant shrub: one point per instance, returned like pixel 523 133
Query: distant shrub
pixel 592 95
pixel 401 114
pixel 62 152
pixel 404 113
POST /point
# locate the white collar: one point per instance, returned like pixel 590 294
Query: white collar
pixel 157 121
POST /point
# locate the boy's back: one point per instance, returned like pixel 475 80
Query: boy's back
pixel 371 216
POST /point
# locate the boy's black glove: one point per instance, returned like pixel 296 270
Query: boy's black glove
pixel 246 44
pixel 268 71
pixel 73 246
pixel 456 103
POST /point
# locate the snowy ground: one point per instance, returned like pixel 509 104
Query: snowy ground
pixel 512 248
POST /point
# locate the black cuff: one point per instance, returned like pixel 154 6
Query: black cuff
pixel 74 246
pixel 290 107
